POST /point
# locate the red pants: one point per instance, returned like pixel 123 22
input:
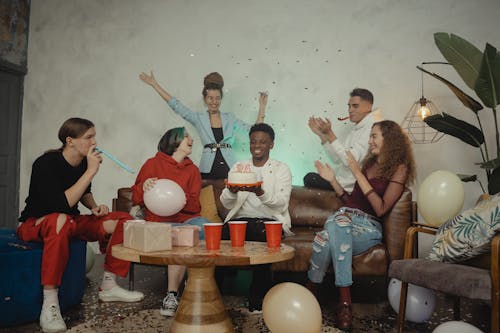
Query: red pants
pixel 56 244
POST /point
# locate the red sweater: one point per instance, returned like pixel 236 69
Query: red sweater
pixel 185 173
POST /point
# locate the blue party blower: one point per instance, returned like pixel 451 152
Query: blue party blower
pixel 114 159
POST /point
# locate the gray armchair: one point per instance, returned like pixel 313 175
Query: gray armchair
pixel 460 280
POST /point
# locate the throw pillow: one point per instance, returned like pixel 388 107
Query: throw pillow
pixel 208 206
pixel 468 234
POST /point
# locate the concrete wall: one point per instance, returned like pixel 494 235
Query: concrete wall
pixel 84 59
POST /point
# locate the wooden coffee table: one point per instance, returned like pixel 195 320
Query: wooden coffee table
pixel 201 308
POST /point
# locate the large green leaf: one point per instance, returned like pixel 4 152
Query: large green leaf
pixel 491 164
pixel 466 100
pixel 462 55
pixel 460 129
pixel 488 83
pixel 494 182
pixel 467 178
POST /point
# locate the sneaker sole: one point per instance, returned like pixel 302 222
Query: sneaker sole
pixel 167 313
pixel 54 330
pixel 118 299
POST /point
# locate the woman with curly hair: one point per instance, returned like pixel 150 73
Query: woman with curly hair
pixel 215 128
pixel 354 228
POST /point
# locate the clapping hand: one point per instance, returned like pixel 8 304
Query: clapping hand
pixel 325 171
pixel 313 125
pixel 352 163
pixel 321 127
pixel 324 125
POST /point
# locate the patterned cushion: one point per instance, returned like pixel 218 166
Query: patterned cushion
pixel 468 234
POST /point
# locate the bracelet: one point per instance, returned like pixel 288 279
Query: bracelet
pixel 369 192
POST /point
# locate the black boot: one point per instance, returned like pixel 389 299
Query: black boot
pixel 312 287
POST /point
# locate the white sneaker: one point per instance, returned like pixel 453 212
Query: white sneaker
pixel 51 320
pixel 170 304
pixel 118 294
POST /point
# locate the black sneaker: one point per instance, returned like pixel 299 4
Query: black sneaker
pixel 254 306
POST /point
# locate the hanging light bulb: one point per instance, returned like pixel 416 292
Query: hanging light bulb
pixel 414 122
pixel 423 110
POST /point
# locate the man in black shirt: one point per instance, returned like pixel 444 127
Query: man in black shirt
pixel 60 179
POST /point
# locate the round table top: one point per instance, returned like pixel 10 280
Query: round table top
pixel 253 253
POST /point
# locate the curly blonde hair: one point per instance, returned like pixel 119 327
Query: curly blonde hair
pixel 395 151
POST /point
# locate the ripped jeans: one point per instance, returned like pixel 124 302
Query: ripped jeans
pixel 346 233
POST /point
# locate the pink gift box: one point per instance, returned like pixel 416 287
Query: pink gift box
pixel 188 235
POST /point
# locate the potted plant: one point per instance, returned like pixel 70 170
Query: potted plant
pixel 481 72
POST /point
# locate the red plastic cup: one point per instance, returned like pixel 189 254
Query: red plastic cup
pixel 237 231
pixel 273 233
pixel 213 234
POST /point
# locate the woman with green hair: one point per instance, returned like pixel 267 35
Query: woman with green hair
pixel 172 162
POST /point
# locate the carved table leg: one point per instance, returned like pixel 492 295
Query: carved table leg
pixel 201 308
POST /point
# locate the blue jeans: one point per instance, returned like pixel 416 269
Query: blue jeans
pixel 199 221
pixel 346 233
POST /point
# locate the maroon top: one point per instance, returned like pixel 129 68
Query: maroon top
pixel 358 200
pixel 386 192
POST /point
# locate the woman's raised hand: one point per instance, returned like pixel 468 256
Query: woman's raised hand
pixel 263 98
pixel 352 163
pixel 325 171
pixel 148 79
pixel 149 184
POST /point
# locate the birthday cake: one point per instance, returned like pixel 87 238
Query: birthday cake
pixel 241 178
pixel 242 175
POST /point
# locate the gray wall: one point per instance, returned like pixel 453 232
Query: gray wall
pixel 84 59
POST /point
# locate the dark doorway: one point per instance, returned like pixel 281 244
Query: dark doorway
pixel 11 92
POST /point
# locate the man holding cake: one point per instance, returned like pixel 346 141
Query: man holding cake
pixel 258 190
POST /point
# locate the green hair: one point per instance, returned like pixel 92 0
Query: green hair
pixel 171 140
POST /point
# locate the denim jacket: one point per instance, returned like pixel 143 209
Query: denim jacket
pixel 201 121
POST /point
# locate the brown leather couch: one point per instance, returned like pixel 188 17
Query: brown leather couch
pixel 309 209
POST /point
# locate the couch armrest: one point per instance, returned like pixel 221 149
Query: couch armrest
pixel 123 200
pixel 411 235
pixel 395 224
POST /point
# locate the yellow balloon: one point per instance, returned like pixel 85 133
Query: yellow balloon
pixel 440 197
pixel 291 308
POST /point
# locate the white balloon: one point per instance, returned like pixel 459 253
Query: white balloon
pixel 166 198
pixel 420 302
pixel 440 197
pixel 456 327
pixel 291 308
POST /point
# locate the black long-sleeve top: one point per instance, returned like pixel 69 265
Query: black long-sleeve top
pixel 51 176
